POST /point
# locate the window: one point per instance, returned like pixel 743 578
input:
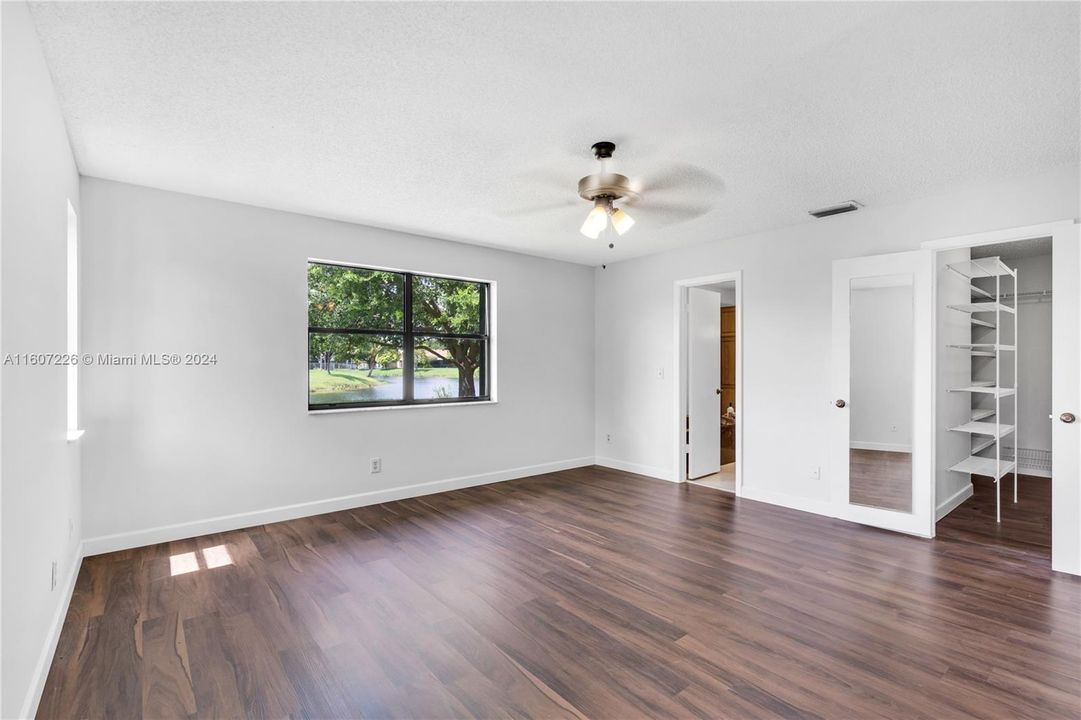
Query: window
pixel 383 337
pixel 74 433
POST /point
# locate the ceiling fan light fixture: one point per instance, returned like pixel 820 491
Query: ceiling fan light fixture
pixel 596 220
pixel 621 221
pixel 604 189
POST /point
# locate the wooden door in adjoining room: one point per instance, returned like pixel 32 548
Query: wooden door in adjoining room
pixel 728 384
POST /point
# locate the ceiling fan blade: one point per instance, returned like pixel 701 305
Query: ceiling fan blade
pixel 536 191
pixel 682 179
pixel 667 213
pixel 541 208
pixel 676 194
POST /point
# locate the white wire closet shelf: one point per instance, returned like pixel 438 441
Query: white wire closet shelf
pixel 984 466
pixel 985 427
pixel 981 307
pixel 975 427
pixel 989 389
pixel 981 268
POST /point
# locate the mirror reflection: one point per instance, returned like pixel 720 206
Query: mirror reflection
pixel 881 323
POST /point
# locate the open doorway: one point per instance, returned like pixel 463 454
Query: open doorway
pixel 1007 445
pixel 710 387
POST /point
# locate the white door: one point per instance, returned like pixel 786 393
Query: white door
pixel 1066 399
pixel 882 429
pixel 704 382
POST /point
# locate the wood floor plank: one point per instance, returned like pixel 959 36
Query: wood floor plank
pixel 585 593
pixel 213 669
pixel 167 685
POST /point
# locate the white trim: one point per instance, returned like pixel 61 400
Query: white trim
pixel 72 321
pixel 678 473
pixel 1066 488
pixel 884 447
pixel 48 650
pixel 949 504
pixel 647 470
pixel 225 523
pixel 414 406
pixel 362 266
pixel 793 502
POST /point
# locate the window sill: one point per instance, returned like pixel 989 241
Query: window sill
pixel 332 411
pixel 74 435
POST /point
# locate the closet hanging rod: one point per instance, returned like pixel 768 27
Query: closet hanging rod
pixel 1033 296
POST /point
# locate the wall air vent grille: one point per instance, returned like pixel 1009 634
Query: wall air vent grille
pixel 850 206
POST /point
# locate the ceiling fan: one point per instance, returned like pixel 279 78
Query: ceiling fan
pixel 674 194
pixel 604 189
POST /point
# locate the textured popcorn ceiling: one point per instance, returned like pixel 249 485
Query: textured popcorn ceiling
pixel 446 120
pixel 1010 251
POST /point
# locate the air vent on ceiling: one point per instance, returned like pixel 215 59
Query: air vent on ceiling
pixel 850 206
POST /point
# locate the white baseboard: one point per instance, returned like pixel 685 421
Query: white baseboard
pixel 794 502
pixel 45 658
pixel 949 504
pixel 884 447
pixel 648 470
pixel 224 523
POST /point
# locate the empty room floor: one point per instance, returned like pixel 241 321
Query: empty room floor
pixel 588 592
pixel 724 479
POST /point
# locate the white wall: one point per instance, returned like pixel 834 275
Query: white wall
pixel 881 380
pixel 953 369
pixel 213 447
pixel 786 327
pixel 39 468
pixel 1033 352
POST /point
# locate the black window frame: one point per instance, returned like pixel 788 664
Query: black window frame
pixel 408 334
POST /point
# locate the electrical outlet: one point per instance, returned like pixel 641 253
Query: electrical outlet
pixel 660 373
pixel 816 472
pixel 71 528
pixel 608 438
pixel 377 465
pixel 893 428
pixel 52 577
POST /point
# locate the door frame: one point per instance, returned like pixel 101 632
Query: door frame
pixel 1065 508
pixel 679 305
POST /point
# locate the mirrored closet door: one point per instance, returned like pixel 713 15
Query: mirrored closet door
pixel 882 367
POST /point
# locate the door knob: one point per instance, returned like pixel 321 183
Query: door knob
pixel 840 403
pixel 718 391
pixel 1067 417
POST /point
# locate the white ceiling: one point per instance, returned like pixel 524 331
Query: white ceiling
pixel 1015 250
pixel 439 119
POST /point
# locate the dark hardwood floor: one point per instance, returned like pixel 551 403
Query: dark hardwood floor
pixel 1026 524
pixel 583 593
